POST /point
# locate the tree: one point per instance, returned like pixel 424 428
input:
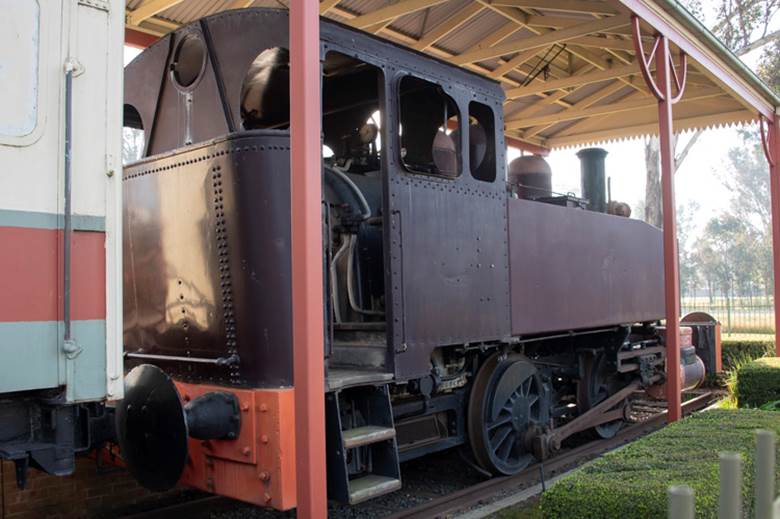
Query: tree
pixel 743 26
pixel 689 278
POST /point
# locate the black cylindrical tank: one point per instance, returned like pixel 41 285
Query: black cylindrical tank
pixel 593 178
pixel 530 177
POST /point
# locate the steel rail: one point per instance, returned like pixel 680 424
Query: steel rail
pixel 449 504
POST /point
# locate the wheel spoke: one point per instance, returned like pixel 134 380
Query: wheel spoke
pixel 526 386
pixel 500 437
pixel 499 422
pixel 505 447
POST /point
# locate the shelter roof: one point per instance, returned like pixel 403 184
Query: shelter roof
pixel 568 67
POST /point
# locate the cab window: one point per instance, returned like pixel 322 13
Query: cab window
pixel 428 129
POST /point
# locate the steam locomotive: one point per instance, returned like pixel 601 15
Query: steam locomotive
pixel 465 305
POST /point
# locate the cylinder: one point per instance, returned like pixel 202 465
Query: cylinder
pixel 692 370
pixel 530 176
pixel 593 178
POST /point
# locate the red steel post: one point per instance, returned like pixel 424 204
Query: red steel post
pixel 671 271
pixel 661 88
pixel 770 137
pixel 306 234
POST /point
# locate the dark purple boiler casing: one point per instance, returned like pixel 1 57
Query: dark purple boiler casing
pixel 572 269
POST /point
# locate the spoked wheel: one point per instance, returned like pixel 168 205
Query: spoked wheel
pixel 506 409
pixel 598 383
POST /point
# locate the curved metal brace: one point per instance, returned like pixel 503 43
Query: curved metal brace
pixel 644 64
pixel 767 136
pixel 682 80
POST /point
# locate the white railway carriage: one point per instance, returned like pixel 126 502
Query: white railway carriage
pixel 60 227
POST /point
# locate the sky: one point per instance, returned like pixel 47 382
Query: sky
pixel 700 178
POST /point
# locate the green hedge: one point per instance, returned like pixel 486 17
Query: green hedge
pixel 632 482
pixel 758 382
pixel 736 352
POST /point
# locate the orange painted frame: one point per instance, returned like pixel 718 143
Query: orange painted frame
pixel 257 467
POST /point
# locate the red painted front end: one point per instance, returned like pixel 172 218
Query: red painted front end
pixel 259 466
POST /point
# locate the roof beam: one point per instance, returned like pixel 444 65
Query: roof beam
pixel 604 43
pixel 511 14
pixel 543 40
pixel 612 108
pixel 149 9
pixel 391 12
pixel 568 6
pixel 447 26
pixel 240 4
pixel 573 81
pixel 586 102
pixel 509 66
pixel 327 5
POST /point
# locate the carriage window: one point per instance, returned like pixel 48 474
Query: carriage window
pixel 19 39
pixel 429 131
pixel 482 142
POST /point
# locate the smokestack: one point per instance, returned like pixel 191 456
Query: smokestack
pixel 592 169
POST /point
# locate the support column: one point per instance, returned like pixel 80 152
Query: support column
pixel 661 87
pixel 671 258
pixel 770 138
pixel 306 238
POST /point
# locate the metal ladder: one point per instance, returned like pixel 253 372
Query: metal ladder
pixel 362 452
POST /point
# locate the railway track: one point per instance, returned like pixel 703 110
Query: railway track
pixel 467 498
pixel 448 505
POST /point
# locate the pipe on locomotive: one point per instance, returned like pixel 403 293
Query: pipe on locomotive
pixel 593 178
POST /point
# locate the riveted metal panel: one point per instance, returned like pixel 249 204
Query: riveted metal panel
pixel 207 260
pixel 573 269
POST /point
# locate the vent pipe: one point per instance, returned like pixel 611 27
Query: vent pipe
pixel 594 188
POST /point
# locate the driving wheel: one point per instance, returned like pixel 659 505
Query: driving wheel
pixel 507 408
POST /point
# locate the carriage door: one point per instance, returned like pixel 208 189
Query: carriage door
pixel 448 238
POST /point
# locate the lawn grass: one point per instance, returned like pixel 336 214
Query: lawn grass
pixel 632 482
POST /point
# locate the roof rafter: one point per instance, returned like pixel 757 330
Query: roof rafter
pixel 447 26
pixel 149 9
pixel 612 108
pixel 240 4
pixel 391 12
pixel 569 6
pixel 543 40
pixel 327 5
pixel 595 97
pixel 520 59
pixel 604 43
pixel 573 81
